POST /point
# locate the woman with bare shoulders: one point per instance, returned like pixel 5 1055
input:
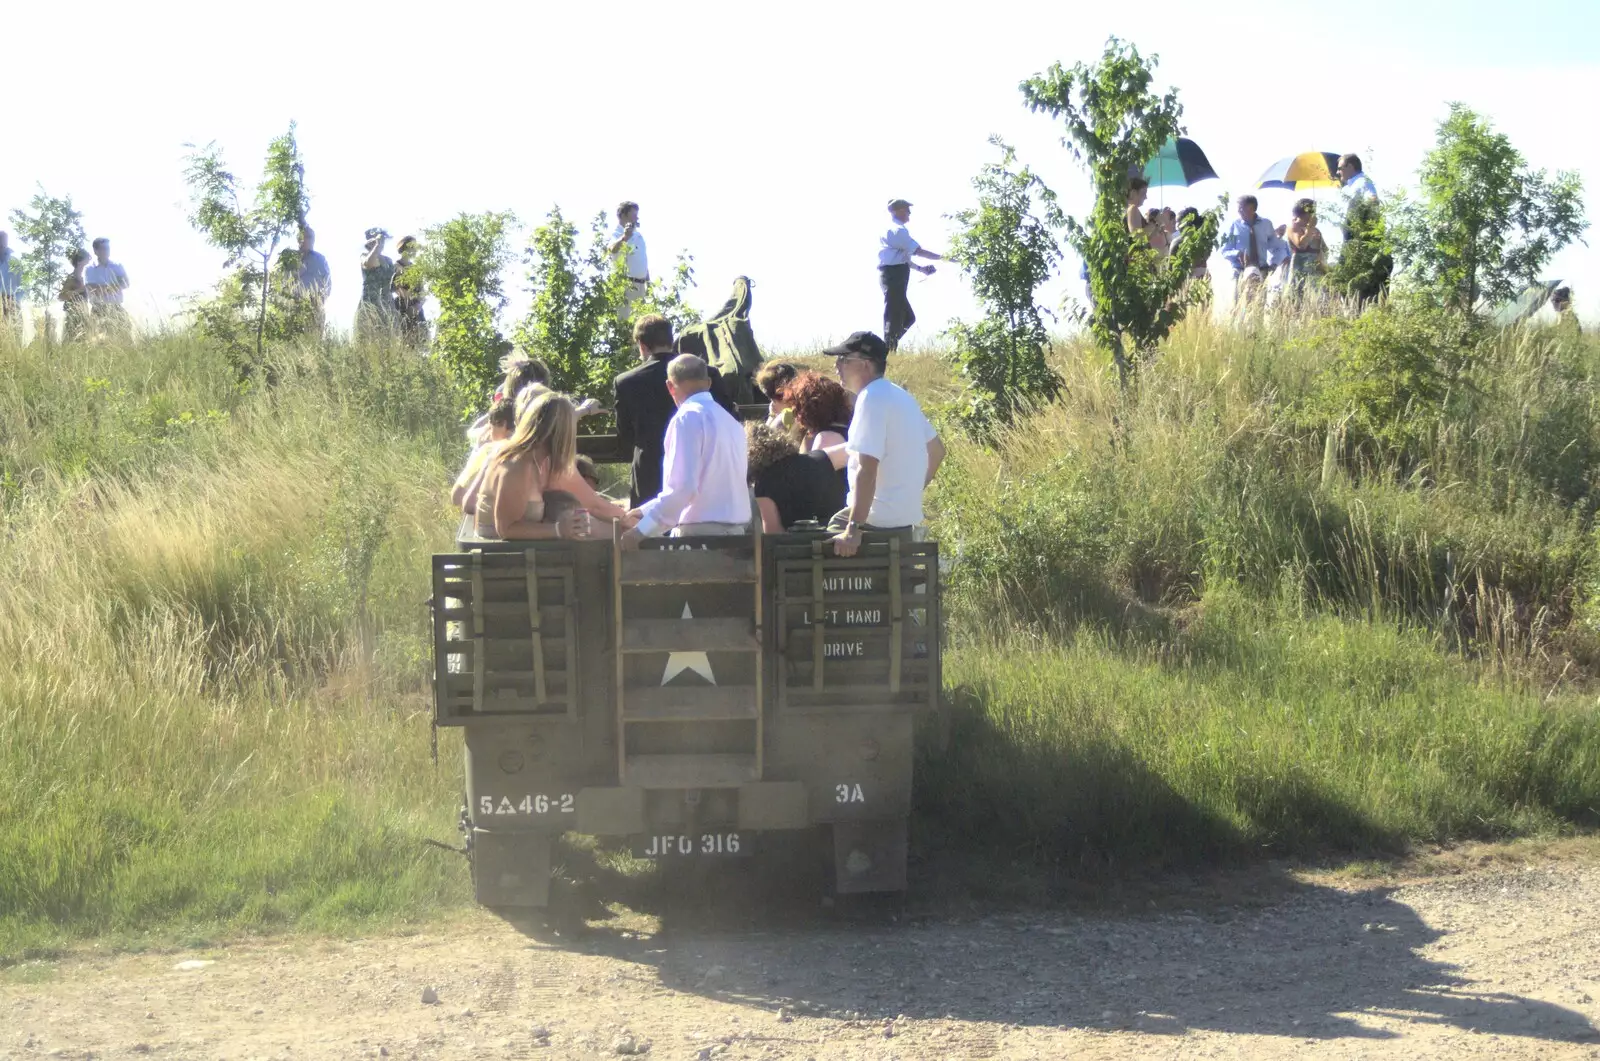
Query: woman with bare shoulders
pixel 821 407
pixel 1138 190
pixel 1308 257
pixel 544 448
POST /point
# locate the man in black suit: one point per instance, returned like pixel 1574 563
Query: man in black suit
pixel 644 406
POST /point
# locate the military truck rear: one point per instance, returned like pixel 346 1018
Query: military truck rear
pixel 690 698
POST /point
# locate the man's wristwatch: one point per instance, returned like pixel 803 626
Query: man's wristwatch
pixel 852 527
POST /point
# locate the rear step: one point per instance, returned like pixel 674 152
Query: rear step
pixel 691 704
pixel 689 771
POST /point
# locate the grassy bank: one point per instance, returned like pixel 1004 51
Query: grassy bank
pixel 1234 610
pixel 213 690
pixel 1252 729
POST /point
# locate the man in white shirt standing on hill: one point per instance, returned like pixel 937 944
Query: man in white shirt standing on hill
pixel 106 280
pixel 705 488
pixel 626 241
pixel 896 248
pixel 892 449
pixel 1357 184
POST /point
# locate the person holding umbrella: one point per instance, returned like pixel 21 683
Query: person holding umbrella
pixel 1306 171
pixel 1179 164
pixel 896 248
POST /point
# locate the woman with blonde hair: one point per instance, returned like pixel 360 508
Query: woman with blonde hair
pixel 544 448
pixel 562 490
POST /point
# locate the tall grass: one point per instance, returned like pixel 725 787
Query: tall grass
pixel 1209 616
pixel 213 646
pixel 1253 728
pixel 1225 462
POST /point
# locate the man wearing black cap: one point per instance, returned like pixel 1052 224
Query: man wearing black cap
pixel 896 248
pixel 892 451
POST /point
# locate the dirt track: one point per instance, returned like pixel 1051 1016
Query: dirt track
pixel 1501 963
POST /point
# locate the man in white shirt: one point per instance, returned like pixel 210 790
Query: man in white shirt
pixel 628 243
pixel 1252 242
pixel 893 452
pixel 705 489
pixel 896 248
pixel 106 280
pixel 1357 184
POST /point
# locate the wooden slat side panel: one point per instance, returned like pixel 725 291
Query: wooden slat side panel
pixel 880 641
pixel 496 581
pixel 509 617
pixel 457 685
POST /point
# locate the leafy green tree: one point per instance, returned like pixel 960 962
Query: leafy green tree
pixel 51 229
pixel 249 235
pixel 574 323
pixel 1366 259
pixel 1116 124
pixel 463 263
pixel 669 297
pixel 1007 247
pixel 1486 224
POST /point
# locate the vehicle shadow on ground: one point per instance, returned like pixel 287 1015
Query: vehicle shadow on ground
pixel 1305 965
pixel 1253 950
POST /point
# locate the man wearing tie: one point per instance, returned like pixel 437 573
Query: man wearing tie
pixel 1252 241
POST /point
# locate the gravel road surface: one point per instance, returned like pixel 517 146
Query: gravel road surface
pixel 1498 962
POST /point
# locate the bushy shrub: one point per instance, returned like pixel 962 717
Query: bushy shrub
pixel 1390 373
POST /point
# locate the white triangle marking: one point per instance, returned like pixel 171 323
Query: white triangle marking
pixel 678 662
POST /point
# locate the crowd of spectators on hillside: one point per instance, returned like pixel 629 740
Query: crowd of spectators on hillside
pixel 848 454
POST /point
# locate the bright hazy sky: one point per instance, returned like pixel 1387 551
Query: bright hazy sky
pixel 763 138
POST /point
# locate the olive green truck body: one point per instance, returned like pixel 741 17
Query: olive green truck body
pixel 691 697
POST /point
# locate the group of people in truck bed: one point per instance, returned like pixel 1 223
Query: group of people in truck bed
pixel 848 455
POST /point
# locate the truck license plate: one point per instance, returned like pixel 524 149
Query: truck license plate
pixel 681 845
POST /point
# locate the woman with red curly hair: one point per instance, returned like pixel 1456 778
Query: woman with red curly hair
pixel 821 408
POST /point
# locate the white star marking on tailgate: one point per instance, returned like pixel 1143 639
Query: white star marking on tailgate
pixel 679 662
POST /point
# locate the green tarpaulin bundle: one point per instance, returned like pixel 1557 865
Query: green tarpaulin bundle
pixel 727 343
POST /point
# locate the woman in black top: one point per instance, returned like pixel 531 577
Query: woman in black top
pixel 790 486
